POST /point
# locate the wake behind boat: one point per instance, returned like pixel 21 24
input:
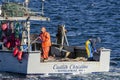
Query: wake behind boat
pixel 68 59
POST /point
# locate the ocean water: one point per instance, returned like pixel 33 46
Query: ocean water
pixel 83 19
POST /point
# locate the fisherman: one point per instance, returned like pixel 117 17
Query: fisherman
pixel 46 42
pixel 90 46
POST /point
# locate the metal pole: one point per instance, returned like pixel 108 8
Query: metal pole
pixel 65 36
pixel 62 43
pixel 43 7
pixel 28 29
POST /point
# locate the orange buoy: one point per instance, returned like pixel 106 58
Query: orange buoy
pixel 4 26
pixel 20 53
pixel 15 52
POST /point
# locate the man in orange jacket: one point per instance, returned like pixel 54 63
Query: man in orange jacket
pixel 46 42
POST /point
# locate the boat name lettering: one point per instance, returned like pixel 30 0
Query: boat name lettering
pixel 72 66
pixel 78 66
pixel 60 66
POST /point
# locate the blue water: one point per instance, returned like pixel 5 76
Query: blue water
pixel 83 19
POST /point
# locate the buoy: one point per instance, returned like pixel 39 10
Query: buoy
pixel 8 44
pixel 12 40
pixel 12 37
pixel 15 52
pixel 4 26
pixel 17 42
pixel 20 53
pixel 12 44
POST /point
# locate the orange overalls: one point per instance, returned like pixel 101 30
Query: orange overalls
pixel 46 43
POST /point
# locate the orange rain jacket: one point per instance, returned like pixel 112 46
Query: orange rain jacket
pixel 45 38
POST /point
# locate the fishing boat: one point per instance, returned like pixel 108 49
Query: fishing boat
pixel 31 63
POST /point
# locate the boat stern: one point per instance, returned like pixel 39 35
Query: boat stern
pixel 105 59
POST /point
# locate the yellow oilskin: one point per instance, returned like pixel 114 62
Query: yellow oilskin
pixel 87 48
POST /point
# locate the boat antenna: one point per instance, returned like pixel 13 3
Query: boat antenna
pixel 43 7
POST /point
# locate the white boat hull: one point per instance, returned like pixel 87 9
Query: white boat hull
pixel 31 64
